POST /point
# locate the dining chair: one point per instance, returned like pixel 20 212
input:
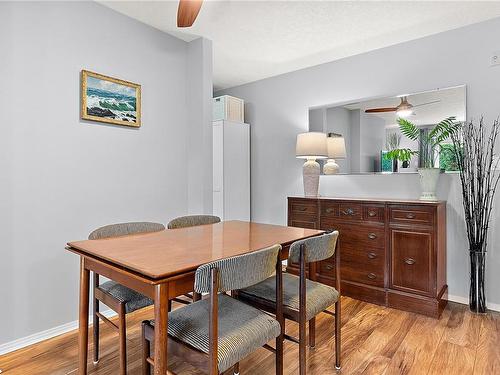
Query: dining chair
pixel 119 298
pixel 185 222
pixel 192 221
pixel 215 333
pixel 303 298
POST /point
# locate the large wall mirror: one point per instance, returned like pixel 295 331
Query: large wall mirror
pixel 367 129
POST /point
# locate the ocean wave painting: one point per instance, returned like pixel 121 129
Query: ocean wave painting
pixel 110 100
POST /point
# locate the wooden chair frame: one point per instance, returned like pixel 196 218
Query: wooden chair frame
pixel 117 306
pixel 208 363
pixel 300 315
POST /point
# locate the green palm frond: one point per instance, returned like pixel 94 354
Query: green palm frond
pixel 447 133
pixel 441 127
pixel 401 154
pixel 443 130
pixel 408 129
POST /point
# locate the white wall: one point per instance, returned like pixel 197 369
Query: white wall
pixel 317 119
pixel 355 150
pixel 372 140
pixel 278 110
pixel 199 142
pixel 62 177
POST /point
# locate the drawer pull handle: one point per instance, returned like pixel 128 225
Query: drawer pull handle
pixel 329 267
pixel 410 261
pixel 372 213
pixel 371 276
pixel 372 255
pixel 302 208
pixel 410 216
pixel 329 210
pixel 372 236
pixel 348 212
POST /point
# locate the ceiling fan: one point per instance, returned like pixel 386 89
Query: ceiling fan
pixel 404 109
pixel 187 12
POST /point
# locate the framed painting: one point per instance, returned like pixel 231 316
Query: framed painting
pixel 110 100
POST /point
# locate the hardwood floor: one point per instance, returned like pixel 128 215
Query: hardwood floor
pixel 376 340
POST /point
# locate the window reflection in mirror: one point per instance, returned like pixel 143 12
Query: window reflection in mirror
pixel 370 129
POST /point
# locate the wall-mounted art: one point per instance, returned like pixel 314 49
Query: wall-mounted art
pixel 110 100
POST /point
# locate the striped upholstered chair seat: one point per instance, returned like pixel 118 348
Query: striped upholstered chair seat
pixel 133 300
pixel 242 329
pixel 318 296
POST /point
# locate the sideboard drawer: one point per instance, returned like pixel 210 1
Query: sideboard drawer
pixel 350 211
pixel 412 215
pixel 329 209
pixel 359 235
pixel 372 212
pixel 303 207
pixel 327 268
pixel 360 256
pixel 365 276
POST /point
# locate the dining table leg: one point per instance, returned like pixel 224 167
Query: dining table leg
pixel 161 329
pixel 83 333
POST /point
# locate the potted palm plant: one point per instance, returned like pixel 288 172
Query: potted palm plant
pixel 429 144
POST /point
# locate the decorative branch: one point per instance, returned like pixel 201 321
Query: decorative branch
pixel 475 152
pixel 477 162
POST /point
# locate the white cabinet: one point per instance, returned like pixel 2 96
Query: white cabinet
pixel 231 170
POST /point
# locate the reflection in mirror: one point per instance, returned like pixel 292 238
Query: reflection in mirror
pixel 365 131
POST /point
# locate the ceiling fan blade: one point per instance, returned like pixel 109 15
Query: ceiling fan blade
pixel 380 110
pixel 187 12
pixel 420 105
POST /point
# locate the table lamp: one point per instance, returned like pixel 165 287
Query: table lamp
pixel 311 146
pixel 336 150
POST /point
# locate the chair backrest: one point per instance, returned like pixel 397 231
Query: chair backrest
pixel 316 248
pixel 192 221
pixel 123 229
pixel 240 271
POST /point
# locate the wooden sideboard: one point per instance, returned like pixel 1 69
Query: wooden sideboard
pixel 392 252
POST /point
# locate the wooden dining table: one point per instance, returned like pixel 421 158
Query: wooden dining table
pixel 162 265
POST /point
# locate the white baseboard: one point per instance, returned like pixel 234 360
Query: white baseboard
pixel 45 335
pixel 465 301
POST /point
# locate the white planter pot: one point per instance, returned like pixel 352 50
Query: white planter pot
pixel 428 182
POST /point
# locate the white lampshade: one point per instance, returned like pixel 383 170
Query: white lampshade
pixel 336 147
pixel 311 145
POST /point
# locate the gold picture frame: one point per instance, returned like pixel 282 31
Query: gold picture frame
pixel 110 100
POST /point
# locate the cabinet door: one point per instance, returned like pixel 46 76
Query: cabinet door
pixel 236 171
pixel 411 260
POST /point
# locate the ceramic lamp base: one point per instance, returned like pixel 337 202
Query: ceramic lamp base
pixel 331 167
pixel 310 173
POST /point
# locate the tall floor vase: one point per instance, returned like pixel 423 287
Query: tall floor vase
pixel 477 298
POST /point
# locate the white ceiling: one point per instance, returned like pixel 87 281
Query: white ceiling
pixel 258 39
